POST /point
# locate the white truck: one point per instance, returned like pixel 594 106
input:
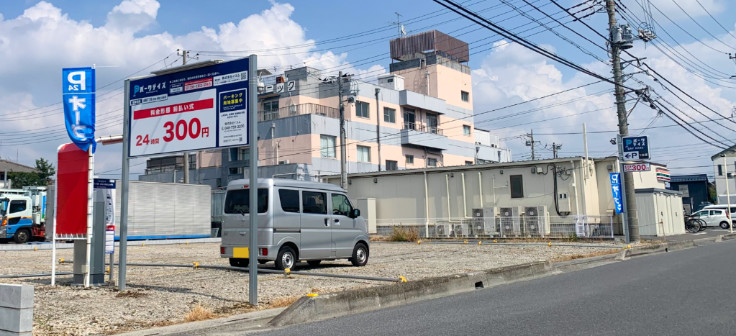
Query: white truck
pixel 22 214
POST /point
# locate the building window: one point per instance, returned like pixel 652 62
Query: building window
pixel 392 165
pixel 236 170
pixel 466 130
pixel 517 186
pixel 362 109
pixel 431 162
pixel 409 159
pixel 327 146
pixel 364 154
pixel 238 154
pixel 409 119
pixel 465 96
pixel 192 161
pixel 271 109
pixel 389 115
pixel 720 170
pixel 468 163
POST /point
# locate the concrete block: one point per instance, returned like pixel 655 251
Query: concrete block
pixel 8 333
pixel 16 320
pixel 16 296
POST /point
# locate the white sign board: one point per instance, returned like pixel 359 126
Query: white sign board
pixel 190 110
pixel 637 167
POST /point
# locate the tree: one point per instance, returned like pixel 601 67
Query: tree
pixel 45 170
pixel 41 177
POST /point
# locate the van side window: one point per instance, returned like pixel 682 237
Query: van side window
pixel 341 205
pixel 238 201
pixel 289 200
pixel 314 202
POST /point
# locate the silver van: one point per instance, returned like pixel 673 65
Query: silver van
pixel 297 220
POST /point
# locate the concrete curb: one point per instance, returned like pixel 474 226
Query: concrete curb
pixel 308 309
pixel 242 322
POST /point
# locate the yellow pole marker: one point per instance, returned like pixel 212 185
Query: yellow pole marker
pixel 549 244
pixel 628 246
pixel 35 248
pixel 312 295
pixel 419 242
pixel 480 242
pixel 196 264
pixel 61 260
pixel 495 241
pixel 402 279
pixel 465 241
pixel 287 271
pixel 187 243
pixel 107 269
pixel 143 244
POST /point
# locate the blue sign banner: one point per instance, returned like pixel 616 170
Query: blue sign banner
pixel 79 106
pixel 616 191
pixel 104 184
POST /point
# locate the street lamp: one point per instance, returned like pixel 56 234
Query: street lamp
pixel 728 194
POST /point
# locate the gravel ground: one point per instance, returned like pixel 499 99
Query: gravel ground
pixel 157 296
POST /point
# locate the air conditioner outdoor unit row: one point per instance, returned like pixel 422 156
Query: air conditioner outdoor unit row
pixel 442 230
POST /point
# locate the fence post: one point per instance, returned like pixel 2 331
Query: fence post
pixel 16 309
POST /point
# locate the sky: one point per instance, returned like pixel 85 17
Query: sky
pixel 122 39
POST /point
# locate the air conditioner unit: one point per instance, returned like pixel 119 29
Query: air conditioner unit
pixel 477 224
pixel 442 230
pixel 460 230
pixel 535 221
pixel 510 221
pixel 284 162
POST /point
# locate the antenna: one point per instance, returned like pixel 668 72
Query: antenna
pixel 399 26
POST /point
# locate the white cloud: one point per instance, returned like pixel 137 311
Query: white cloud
pixel 37 44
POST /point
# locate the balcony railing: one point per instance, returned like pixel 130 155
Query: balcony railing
pixel 422 128
pixel 293 110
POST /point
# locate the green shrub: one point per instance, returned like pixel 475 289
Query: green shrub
pixel 401 233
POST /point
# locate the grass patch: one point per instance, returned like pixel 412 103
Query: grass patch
pixel 283 302
pixel 404 234
pixel 130 294
pixel 587 255
pixel 199 313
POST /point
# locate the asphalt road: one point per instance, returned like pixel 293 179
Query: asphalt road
pixel 675 293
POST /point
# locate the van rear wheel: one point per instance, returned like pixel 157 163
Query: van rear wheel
pixel 724 225
pixel 360 255
pixel 286 258
pixel 239 262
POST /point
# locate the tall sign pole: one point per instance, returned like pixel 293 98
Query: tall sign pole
pixel 631 220
pixel 122 258
pixel 253 180
pixel 343 170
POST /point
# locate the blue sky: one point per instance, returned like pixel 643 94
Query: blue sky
pixel 129 37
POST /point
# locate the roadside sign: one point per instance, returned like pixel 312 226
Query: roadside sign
pixel 104 184
pixel 78 91
pixel 201 108
pixel 616 192
pixel 637 167
pixel 636 148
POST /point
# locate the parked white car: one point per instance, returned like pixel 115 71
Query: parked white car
pixel 715 215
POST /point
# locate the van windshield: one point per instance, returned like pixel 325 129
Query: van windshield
pixel 238 201
pixel 3 206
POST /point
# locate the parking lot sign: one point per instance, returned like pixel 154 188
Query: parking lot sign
pixel 636 148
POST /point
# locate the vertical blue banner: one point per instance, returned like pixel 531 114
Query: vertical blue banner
pixel 78 86
pixel 616 191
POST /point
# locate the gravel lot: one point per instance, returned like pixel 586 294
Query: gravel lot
pixel 160 296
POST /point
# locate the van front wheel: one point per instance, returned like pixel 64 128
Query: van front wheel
pixel 286 258
pixel 360 255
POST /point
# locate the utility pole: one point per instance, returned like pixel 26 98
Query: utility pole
pixel 555 148
pixel 378 128
pixel 186 154
pixel 343 172
pixel 629 201
pixel 530 142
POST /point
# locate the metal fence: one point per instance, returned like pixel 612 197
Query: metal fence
pixel 503 227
